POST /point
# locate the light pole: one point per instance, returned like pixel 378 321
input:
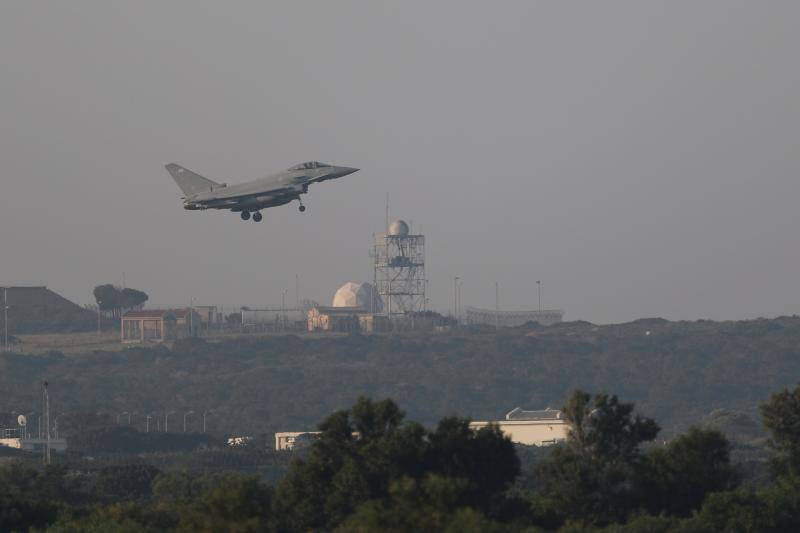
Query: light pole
pixel 99 303
pixel 455 298
pixel 496 305
pixel 147 424
pixel 184 419
pixel 166 420
pixel 204 419
pixel 458 300
pixel 283 311
pixel 191 316
pixel 539 287
pixel 5 318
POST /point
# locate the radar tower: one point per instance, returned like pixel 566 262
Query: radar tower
pixel 399 270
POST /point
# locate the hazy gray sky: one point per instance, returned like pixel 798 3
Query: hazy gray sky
pixel 640 158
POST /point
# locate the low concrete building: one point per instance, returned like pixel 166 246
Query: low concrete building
pixel 208 314
pixel 338 319
pixel 287 440
pixel 533 428
pixel 346 320
pixel 159 325
pixel 34 445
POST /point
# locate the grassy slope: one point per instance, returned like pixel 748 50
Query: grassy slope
pixel 678 373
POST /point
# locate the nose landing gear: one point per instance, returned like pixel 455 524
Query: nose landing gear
pixel 302 207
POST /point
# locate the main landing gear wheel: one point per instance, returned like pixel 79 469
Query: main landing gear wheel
pixel 302 208
pixel 245 215
pixel 257 217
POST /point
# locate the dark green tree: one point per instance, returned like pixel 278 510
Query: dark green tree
pixel 132 298
pixel 782 418
pixel 116 300
pixel 592 478
pixel 681 474
pixel 364 451
pixel 433 503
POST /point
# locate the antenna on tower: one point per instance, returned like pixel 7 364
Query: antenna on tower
pixel 386 227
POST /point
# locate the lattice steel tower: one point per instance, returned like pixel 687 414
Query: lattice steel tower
pixel 400 270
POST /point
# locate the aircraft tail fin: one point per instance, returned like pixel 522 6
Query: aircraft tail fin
pixel 189 182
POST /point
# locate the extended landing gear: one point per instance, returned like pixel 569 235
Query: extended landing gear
pixel 302 207
pixel 256 216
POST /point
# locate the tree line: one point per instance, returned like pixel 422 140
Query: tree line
pixel 371 469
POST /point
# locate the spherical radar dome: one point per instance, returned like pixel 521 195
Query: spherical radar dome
pixel 398 228
pixel 353 294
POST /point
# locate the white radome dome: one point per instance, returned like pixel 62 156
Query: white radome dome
pixel 398 228
pixel 353 294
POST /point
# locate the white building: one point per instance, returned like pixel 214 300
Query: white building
pixel 34 445
pixel 512 319
pixel 532 428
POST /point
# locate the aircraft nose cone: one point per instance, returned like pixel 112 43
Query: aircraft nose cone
pixel 344 171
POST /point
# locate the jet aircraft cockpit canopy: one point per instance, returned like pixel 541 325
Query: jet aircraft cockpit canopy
pixel 309 165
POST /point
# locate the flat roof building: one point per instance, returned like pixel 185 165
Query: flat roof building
pixel 159 325
pixel 532 428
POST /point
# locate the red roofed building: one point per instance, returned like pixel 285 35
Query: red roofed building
pixel 159 325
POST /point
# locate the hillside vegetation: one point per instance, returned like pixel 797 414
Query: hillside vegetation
pixel 675 372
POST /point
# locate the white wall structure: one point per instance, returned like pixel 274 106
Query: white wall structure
pixel 534 428
pixel 512 319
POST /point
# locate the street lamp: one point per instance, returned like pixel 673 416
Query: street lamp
pixel 283 311
pixel 166 420
pixel 147 424
pixel 5 318
pixel 99 303
pixel 458 300
pixel 204 419
pixel 455 298
pixel 496 305
pixel 539 287
pixel 184 419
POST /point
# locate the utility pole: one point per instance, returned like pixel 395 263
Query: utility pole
pixel 204 420
pixel 539 286
pixel 5 318
pixel 297 290
pixel 191 316
pixel 46 406
pixel 455 298
pixel 98 318
pixel 147 424
pixel 496 305
pixel 283 310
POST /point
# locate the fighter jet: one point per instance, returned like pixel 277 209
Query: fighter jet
pixel 251 197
